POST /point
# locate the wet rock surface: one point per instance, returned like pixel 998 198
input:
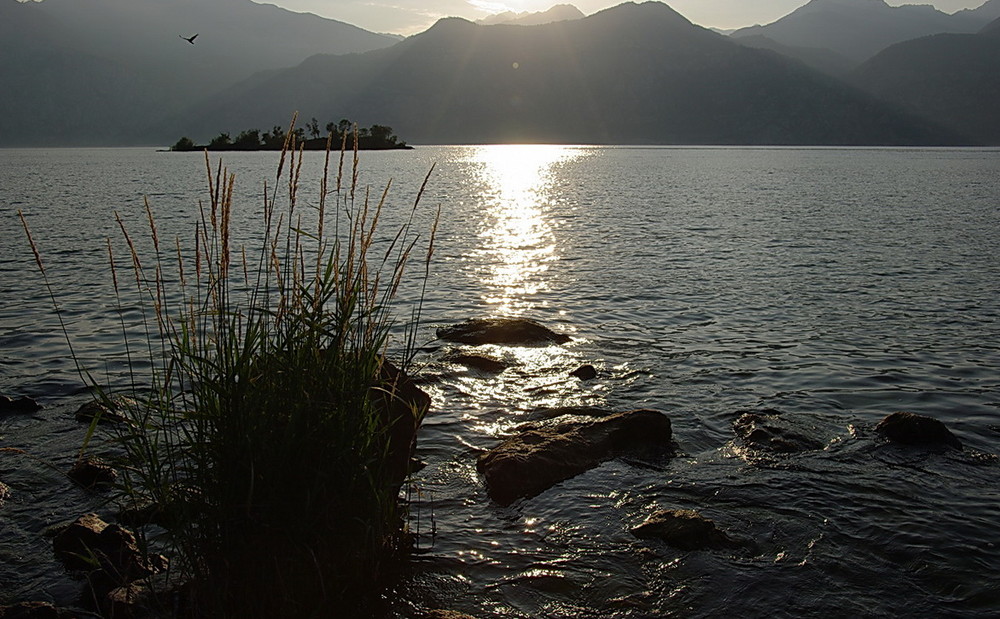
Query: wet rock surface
pixel 92 473
pixel 402 406
pixel 22 405
pixel 912 429
pixel 585 372
pixel 562 411
pixel 683 529
pixel 105 412
pixel 772 432
pixel 481 363
pixel 109 551
pixel 446 614
pixel 535 459
pixel 511 331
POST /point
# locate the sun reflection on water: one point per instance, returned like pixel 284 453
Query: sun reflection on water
pixel 518 237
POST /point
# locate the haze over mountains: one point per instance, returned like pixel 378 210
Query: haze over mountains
pixel 838 35
pixel 116 72
pixel 101 71
pixel 559 12
pixel 954 78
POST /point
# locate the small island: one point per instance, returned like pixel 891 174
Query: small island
pixel 376 137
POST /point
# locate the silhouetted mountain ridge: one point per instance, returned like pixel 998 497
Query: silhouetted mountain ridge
pixel 952 78
pixel 559 12
pixel 100 71
pixel 636 73
pixel 858 29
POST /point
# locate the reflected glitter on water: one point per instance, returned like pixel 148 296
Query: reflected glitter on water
pixel 519 241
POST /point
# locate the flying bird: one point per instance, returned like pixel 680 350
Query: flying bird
pixel 188 39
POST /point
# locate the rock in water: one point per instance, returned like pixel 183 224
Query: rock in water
pixel 772 432
pixel 528 463
pixel 89 543
pixel 585 372
pixel 913 429
pixel 21 405
pixel 402 406
pixel 478 362
pixel 91 473
pixel 511 331
pixel 683 529
pixel 106 411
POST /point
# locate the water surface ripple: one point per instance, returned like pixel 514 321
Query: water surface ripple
pixel 834 286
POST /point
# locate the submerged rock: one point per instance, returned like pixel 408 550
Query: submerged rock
pixel 913 429
pixel 512 331
pixel 683 529
pixel 532 461
pixel 4 492
pixel 105 411
pixel 562 411
pixel 21 405
pixel 446 614
pixel 585 372
pixel 89 543
pixel 773 432
pixel 482 363
pixel 92 473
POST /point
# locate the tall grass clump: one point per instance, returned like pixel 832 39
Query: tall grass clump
pixel 272 435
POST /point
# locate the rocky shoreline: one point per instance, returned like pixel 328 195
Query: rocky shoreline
pixel 530 460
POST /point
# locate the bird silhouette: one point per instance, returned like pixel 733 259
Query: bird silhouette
pixel 188 39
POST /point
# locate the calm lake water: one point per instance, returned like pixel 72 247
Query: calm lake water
pixel 832 285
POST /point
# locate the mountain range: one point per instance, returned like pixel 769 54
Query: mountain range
pixel 117 72
pixel 856 30
pixel 79 72
pixel 630 74
pixel 954 78
pixel 559 12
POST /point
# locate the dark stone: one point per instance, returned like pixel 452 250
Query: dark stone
pixel 913 429
pixel 92 473
pixel 21 405
pixel 108 411
pixel 530 462
pixel 683 529
pixel 585 372
pixel 402 406
pixel 108 550
pixel 446 614
pixel 135 600
pixel 772 432
pixel 512 331
pixel 562 411
pixel 478 362
pixel 34 610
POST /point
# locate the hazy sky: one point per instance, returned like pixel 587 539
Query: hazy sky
pixel 412 16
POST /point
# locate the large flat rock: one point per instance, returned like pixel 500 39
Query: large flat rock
pixel 532 461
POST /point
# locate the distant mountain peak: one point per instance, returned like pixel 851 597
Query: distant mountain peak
pixel 559 12
pixel 858 29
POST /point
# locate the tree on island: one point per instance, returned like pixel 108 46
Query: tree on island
pixel 376 137
pixel 184 144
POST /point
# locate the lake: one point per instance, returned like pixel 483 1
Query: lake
pixel 826 286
